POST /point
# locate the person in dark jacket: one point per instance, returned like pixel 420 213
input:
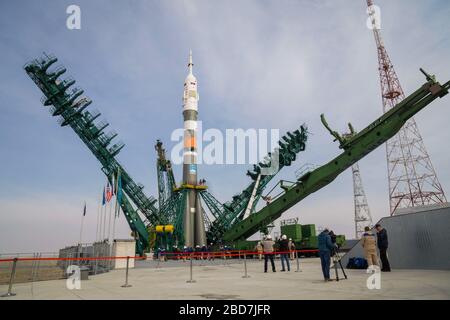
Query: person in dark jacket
pixel 284 253
pixel 325 248
pixel 382 242
pixel 333 241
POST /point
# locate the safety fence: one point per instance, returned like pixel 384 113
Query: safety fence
pixel 241 255
pixel 228 254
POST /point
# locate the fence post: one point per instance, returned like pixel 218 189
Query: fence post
pixel 245 266
pixel 158 256
pixel 298 262
pixel 96 263
pixel 191 280
pixel 11 280
pixel 126 285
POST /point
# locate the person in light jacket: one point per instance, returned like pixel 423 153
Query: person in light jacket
pixel 369 245
pixel 259 249
pixel 292 249
pixel 268 245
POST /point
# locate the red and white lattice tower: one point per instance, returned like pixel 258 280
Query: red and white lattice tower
pixel 363 218
pixel 412 179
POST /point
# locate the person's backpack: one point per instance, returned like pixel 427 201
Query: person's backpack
pixel 357 263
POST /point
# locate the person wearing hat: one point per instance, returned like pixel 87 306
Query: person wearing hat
pixel 292 248
pixel 284 253
pixel 369 244
pixel 382 241
pixel 325 248
pixel 259 249
pixel 268 252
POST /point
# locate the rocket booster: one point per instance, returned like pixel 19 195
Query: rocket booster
pixel 194 226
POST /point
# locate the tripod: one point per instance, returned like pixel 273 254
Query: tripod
pixel 337 259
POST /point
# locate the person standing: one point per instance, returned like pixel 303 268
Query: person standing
pixel 284 253
pixel 292 248
pixel 333 237
pixel 333 241
pixel 325 248
pixel 259 249
pixel 268 252
pixel 382 240
pixel 369 245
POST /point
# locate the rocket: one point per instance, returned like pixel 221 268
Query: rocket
pixel 194 225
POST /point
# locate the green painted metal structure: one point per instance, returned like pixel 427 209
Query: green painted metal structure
pixel 228 214
pixel 227 222
pixel 355 147
pixel 222 216
pixel 69 105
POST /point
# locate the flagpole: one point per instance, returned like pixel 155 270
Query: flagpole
pixel 104 223
pixel 116 215
pixel 116 202
pixel 99 207
pixel 82 220
pixel 81 229
pixel 109 222
pixel 80 245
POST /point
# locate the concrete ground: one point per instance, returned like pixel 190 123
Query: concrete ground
pixel 218 280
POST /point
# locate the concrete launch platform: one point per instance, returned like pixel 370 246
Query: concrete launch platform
pixel 217 280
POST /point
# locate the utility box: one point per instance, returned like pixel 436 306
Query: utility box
pixel 84 273
pixel 124 248
pixel 293 231
pixel 309 230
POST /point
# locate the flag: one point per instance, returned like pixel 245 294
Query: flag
pixel 104 197
pixel 84 210
pixel 108 193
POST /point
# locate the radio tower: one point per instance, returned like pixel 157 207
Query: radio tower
pixel 412 179
pixel 362 212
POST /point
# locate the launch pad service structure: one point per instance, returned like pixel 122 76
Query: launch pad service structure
pixel 180 217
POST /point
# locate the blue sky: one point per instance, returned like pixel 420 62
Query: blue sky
pixel 259 64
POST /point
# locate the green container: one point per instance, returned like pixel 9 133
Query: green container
pixel 245 245
pixel 293 231
pixel 308 230
pixel 340 240
pixel 308 243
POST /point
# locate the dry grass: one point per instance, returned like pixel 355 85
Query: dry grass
pixel 46 270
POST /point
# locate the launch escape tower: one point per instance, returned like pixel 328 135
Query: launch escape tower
pixel 412 179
